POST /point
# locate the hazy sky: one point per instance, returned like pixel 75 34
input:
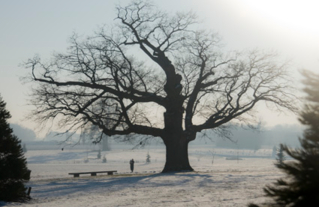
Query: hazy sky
pixel 42 27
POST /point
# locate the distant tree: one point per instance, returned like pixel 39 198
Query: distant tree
pixel 104 159
pixel 301 186
pixel 184 75
pixel 199 155
pixel 280 155
pixel 274 151
pixel 99 154
pixel 243 137
pixel 24 148
pixel 26 134
pixel 278 134
pixel 96 135
pixel 148 158
pixel 105 143
pixel 13 165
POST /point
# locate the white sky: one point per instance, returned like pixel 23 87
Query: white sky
pixel 41 27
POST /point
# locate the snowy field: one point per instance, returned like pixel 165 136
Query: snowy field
pixel 216 181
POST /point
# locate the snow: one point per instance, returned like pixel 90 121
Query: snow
pixel 215 182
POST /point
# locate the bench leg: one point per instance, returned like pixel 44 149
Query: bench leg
pixel 93 174
pixel 76 175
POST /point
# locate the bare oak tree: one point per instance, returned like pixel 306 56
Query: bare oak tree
pixel 101 82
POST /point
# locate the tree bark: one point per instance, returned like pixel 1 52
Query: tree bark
pixel 177 155
pixel 174 137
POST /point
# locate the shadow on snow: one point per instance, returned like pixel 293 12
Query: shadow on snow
pixel 44 189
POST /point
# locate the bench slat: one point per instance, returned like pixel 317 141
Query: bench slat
pixel 77 174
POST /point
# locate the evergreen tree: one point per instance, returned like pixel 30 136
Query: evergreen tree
pixel 301 185
pixel 13 165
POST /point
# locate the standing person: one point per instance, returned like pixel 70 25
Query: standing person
pixel 132 165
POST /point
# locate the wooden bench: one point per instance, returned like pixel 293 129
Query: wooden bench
pixel 77 174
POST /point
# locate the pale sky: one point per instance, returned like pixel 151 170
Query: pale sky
pixel 41 27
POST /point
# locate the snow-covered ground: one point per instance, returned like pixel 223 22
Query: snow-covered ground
pixel 215 182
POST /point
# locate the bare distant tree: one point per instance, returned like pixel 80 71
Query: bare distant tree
pixel 101 81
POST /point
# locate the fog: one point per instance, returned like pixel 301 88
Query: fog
pixel 24 134
pixel 243 138
pixel 237 138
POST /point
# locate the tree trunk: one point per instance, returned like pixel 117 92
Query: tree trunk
pixel 176 141
pixel 177 155
pixel 174 138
